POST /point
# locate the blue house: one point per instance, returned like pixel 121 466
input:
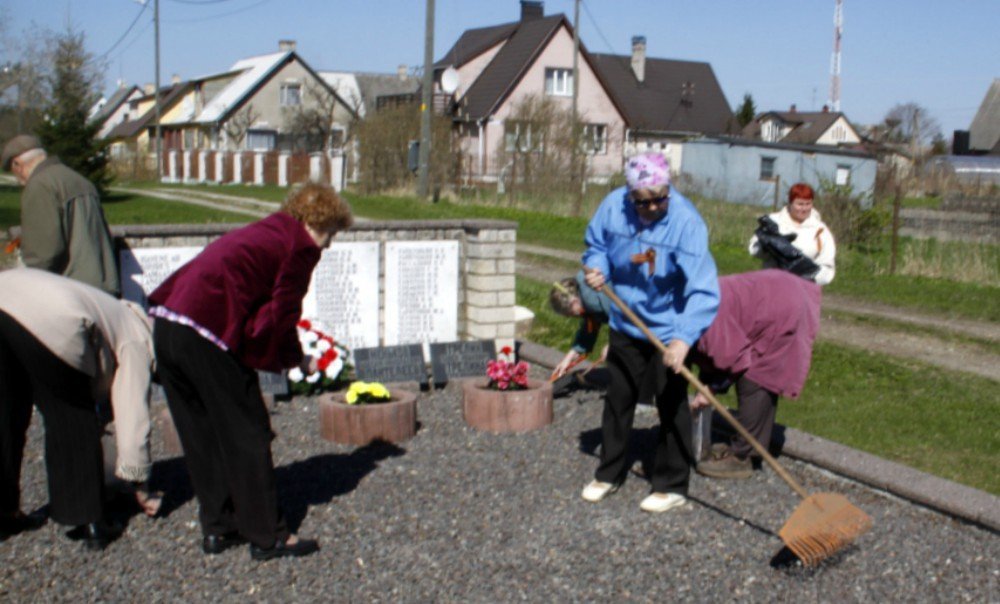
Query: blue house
pixel 747 171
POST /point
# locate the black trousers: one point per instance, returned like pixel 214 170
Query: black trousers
pixel 757 408
pixel 226 434
pixel 629 363
pixel 29 372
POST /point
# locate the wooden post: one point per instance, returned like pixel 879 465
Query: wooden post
pixel 777 193
pixel 896 203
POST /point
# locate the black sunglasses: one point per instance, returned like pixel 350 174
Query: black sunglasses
pixel 645 203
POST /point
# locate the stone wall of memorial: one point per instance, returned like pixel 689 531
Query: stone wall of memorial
pixel 437 280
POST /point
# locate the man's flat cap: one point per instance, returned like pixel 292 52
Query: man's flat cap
pixel 16 146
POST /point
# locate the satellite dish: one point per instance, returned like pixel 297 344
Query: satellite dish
pixel 449 80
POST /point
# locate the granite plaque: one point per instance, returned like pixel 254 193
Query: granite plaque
pixel 461 359
pixel 421 291
pixel 343 294
pixel 389 364
pixel 273 383
pixel 144 269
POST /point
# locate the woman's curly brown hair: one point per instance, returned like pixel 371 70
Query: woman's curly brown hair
pixel 318 206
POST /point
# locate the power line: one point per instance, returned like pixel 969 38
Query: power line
pixel 135 39
pixel 201 1
pixel 210 17
pixel 127 31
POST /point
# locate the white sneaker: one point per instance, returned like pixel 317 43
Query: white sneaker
pixel 661 502
pixel 597 490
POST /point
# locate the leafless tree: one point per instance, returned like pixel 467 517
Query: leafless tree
pixel 911 124
pixel 240 124
pixel 543 151
pixel 313 123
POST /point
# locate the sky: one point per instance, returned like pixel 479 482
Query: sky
pixel 942 55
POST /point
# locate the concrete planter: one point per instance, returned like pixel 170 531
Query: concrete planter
pixel 506 410
pixel 393 421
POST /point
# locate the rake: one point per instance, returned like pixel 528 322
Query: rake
pixel 824 523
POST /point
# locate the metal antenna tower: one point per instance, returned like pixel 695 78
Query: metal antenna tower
pixel 838 30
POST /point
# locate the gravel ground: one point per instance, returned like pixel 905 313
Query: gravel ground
pixel 459 515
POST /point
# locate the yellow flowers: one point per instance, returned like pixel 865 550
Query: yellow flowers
pixel 366 392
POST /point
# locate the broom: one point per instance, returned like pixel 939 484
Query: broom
pixel 824 523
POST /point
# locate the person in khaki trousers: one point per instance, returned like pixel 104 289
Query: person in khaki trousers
pixel 65 347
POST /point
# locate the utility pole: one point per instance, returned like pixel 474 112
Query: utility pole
pixel 578 206
pixel 426 102
pixel 156 88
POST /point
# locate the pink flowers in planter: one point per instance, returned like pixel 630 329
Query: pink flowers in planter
pixel 505 373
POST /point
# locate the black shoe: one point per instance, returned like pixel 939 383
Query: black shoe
pixel 20 523
pixel 216 544
pixel 303 547
pixel 95 536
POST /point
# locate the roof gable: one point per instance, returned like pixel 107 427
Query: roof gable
pixel 474 42
pixel 508 66
pixel 659 103
pixel 807 126
pixel 984 132
pixel 168 97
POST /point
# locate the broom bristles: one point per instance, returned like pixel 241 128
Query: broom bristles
pixel 822 525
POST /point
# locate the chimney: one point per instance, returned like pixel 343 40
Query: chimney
pixel 149 88
pixel 402 72
pixel 639 57
pixel 792 108
pixel 286 45
pixel 826 109
pixel 175 79
pixel 532 9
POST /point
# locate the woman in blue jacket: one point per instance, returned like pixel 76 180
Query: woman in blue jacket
pixel 649 243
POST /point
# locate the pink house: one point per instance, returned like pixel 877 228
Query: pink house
pixel 628 103
pixel 498 67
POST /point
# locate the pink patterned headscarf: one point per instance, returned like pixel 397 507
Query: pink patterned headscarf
pixel 647 171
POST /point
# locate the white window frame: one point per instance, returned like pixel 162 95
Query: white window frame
pixel 558 81
pixel 259 134
pixel 842 177
pixel 595 139
pixel 286 98
pixel 771 163
pixel 512 132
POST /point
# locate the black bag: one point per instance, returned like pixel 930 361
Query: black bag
pixel 779 247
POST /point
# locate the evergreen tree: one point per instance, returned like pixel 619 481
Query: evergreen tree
pixel 746 111
pixel 65 131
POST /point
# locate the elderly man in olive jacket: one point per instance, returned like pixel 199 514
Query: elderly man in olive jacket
pixel 63 229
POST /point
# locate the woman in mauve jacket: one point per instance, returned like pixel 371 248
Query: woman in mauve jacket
pixel 228 312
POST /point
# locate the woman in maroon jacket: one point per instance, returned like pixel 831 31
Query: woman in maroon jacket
pixel 226 313
pixel 761 340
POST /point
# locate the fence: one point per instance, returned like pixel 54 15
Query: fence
pixel 253 167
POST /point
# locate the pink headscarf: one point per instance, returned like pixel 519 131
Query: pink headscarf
pixel 647 171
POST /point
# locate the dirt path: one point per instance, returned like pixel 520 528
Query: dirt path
pixel 939 352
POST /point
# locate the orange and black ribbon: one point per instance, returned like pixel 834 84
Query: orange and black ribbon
pixel 647 256
pixel 12 245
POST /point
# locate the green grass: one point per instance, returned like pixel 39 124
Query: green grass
pixel 938 421
pixel 121 208
pixel 860 274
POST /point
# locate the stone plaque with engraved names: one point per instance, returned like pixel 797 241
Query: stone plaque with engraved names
pixel 343 294
pixel 391 364
pixel 451 360
pixel 421 291
pixel 144 269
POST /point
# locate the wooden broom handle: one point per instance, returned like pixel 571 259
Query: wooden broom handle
pixel 719 407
